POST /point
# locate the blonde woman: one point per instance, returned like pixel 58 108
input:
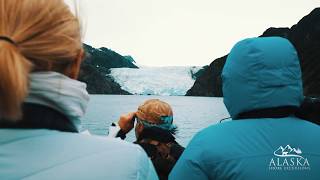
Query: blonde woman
pixel 41 102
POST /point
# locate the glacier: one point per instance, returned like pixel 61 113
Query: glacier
pixel 164 81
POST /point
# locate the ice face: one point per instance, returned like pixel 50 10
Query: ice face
pixel 174 81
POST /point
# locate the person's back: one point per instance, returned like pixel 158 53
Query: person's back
pixel 41 102
pixel 262 90
pixel 252 150
pixel 162 148
pixel 49 154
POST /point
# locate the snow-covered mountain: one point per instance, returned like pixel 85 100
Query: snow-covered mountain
pixel 173 81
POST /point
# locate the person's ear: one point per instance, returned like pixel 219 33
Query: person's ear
pixel 75 66
pixel 139 129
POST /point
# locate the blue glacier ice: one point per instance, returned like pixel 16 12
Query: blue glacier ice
pixel 167 81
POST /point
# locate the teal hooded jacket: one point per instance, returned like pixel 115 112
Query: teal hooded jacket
pixel 259 73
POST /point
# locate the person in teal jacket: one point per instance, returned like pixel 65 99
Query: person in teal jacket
pixel 42 102
pixel 262 89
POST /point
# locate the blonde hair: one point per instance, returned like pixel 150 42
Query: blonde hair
pixel 46 37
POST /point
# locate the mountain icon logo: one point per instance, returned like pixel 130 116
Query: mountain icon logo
pixel 288 151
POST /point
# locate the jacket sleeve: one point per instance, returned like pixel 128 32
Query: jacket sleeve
pixel 145 167
pixel 115 131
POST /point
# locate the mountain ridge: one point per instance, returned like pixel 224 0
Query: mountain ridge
pixel 96 67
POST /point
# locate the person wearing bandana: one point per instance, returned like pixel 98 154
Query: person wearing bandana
pixel 154 132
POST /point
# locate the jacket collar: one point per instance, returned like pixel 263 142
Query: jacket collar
pixel 157 134
pixel 59 92
pixel 277 112
pixel 40 117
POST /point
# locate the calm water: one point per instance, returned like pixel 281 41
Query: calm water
pixel 191 114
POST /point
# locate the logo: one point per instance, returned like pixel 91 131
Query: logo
pixel 288 159
pixel 288 152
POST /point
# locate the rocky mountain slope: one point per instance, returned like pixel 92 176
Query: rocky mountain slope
pixel 95 69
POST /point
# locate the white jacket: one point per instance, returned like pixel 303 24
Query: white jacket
pixel 50 154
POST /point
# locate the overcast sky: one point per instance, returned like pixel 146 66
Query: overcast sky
pixel 183 32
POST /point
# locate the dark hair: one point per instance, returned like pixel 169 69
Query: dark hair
pixel 158 134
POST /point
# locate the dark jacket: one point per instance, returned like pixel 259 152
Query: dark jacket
pixel 161 147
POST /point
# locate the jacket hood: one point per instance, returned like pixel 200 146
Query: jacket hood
pixel 261 73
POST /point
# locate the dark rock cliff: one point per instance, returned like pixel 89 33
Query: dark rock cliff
pixel 305 36
pixel 205 85
pixel 96 67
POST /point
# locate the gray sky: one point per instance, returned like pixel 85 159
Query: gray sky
pixel 183 32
